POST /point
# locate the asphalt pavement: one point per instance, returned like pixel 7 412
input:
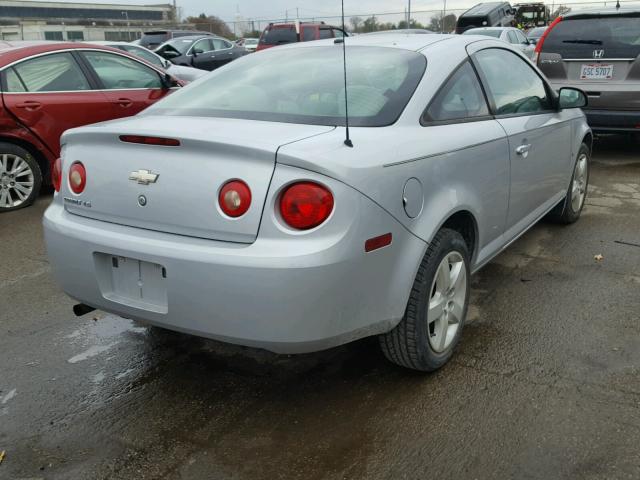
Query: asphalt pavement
pixel 545 383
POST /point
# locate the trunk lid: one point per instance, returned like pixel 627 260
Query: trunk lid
pixel 184 197
pixel 598 53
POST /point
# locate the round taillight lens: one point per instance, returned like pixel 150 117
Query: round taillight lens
pixel 56 174
pixel 235 198
pixel 77 177
pixel 305 205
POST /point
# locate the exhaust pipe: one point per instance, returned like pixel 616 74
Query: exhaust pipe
pixel 82 309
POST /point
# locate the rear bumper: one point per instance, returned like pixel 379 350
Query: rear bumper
pixel 613 120
pixel 306 296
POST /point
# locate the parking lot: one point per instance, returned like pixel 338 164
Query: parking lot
pixel 545 383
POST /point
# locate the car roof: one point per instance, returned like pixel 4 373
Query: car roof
pixel 194 37
pixel 405 41
pixel 415 31
pixel 11 51
pixel 602 12
pixel 499 29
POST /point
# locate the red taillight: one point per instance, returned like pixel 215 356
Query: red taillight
pixel 77 177
pixel 305 205
pixel 56 174
pixel 235 198
pixel 163 142
pixel 538 50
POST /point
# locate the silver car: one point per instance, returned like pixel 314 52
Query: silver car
pixel 293 238
pixel 511 35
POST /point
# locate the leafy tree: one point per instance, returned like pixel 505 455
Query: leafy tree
pixel 440 23
pixel 370 24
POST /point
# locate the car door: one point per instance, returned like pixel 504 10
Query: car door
pixel 130 86
pixel 475 163
pixel 203 54
pixel 52 93
pixel 538 134
pixel 224 52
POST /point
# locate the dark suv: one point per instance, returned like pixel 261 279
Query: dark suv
pixel 597 51
pixel 152 40
pixel 281 33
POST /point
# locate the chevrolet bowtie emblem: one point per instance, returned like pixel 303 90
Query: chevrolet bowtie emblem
pixel 144 177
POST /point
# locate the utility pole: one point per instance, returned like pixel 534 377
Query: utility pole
pixel 409 15
pixel 444 15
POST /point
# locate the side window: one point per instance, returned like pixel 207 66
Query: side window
pixel 325 33
pixel 521 38
pixel 461 98
pixel 50 73
pixel 14 84
pixel 512 84
pixel 338 33
pixel 308 33
pixel 219 44
pixel 203 45
pixel 513 38
pixel 118 72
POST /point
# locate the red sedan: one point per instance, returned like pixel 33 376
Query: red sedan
pixel 48 88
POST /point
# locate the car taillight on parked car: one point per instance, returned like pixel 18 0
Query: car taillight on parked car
pixel 77 177
pixel 538 50
pixel 305 205
pixel 235 198
pixel 56 174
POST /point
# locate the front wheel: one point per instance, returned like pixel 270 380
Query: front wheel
pixel 20 177
pixel 569 210
pixel 432 325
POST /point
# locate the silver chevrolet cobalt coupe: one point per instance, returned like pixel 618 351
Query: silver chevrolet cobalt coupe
pixel 234 209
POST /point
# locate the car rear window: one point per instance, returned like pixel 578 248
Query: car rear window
pixel 279 35
pixel 305 85
pixel 154 38
pixel 480 31
pixel 618 36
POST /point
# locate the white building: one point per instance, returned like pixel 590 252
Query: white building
pixel 31 20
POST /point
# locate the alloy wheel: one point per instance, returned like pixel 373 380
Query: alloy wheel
pixel 579 185
pixel 16 180
pixel 446 304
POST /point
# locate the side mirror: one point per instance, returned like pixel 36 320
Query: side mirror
pixel 166 64
pixel 533 41
pixel 168 82
pixel 571 98
pixel 197 51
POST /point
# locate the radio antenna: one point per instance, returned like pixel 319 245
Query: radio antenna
pixel 347 140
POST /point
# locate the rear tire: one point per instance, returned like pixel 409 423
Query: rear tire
pixel 20 177
pixel 432 324
pixel 568 210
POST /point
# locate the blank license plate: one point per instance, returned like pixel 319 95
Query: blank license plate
pixel 133 282
pixel 596 71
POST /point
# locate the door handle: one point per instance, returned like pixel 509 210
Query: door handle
pixel 523 150
pixel 29 105
pixel 230 53
pixel 124 102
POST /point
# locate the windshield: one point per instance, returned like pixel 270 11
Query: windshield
pixel 251 41
pixel 305 85
pixel 482 31
pixel 279 35
pixel 618 37
pixel 536 32
pixel 180 45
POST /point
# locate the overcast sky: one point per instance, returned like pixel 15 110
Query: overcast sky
pixel 274 9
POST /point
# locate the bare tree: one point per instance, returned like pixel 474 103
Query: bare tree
pixel 356 22
pixel 212 24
